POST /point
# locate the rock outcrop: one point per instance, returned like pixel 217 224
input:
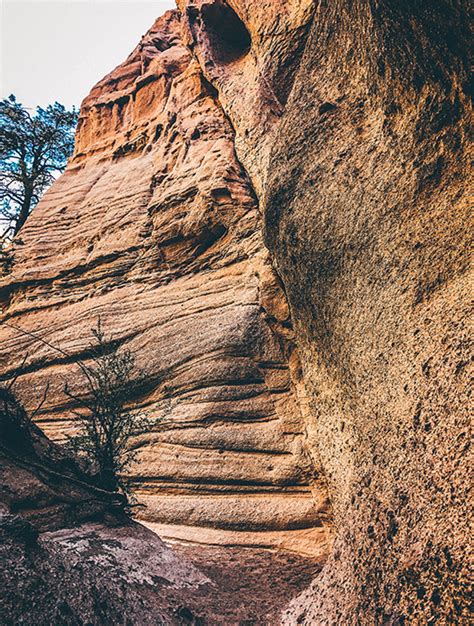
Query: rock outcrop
pixel 43 484
pixel 69 555
pixel 369 227
pixel 363 187
pixel 154 227
pixel 347 123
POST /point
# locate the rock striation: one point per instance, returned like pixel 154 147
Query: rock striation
pixel 69 555
pixel 154 227
pixel 347 123
pixel 362 180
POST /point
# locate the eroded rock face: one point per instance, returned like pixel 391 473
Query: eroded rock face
pixel 41 483
pixel 365 216
pixel 357 151
pixel 249 51
pixel 69 555
pixel 154 227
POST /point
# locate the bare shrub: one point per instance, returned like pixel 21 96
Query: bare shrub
pixel 106 420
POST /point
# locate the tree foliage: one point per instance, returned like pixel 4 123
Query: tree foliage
pixel 105 418
pixel 33 150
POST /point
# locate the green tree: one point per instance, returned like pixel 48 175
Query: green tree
pixel 33 150
pixel 106 420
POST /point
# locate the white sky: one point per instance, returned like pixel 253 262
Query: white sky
pixel 58 49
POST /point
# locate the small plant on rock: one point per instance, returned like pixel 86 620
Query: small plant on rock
pixel 107 423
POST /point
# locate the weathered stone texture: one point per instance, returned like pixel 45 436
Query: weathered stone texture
pixel 154 227
pixel 351 121
pixel 69 555
pixel 367 218
pixel 249 51
pixel 363 186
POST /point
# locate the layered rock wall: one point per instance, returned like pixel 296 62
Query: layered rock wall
pixel 363 181
pixel 154 227
pixel 68 553
pixel 350 122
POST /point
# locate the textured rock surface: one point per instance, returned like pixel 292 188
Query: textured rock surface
pixel 249 51
pixel 68 555
pixel 154 227
pixel 40 482
pixel 367 219
pixel 361 167
pixel 125 575
pixel 56 566
pixel 365 215
pixel 93 574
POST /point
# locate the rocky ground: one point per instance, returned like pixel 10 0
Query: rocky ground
pixel 254 585
pixel 68 554
pixel 97 574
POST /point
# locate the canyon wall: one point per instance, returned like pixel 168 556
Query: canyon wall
pixel 68 553
pixel 367 216
pixel 348 122
pixel 363 182
pixel 154 227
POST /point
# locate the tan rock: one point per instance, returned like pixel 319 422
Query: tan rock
pixel 366 215
pixel 357 151
pixel 249 51
pixel 363 182
pixel 154 227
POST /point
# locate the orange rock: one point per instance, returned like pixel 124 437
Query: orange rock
pixel 154 226
pixel 362 174
pixel 348 122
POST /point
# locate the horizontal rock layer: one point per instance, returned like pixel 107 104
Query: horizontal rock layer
pixel 154 227
pixel 363 179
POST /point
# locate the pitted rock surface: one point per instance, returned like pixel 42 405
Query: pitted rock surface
pixel 363 178
pixel 348 122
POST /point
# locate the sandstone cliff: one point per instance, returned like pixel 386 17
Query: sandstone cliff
pixel 376 211
pixel 365 200
pixel 154 227
pixel 347 123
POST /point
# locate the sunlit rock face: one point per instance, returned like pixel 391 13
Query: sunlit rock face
pixel 348 123
pixel 154 227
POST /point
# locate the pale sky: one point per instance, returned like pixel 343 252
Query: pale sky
pixel 58 49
